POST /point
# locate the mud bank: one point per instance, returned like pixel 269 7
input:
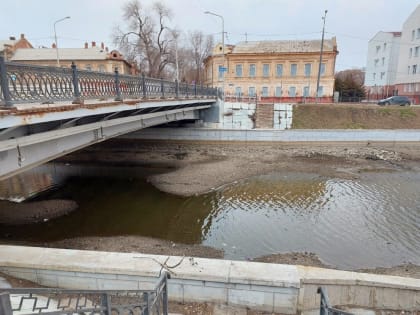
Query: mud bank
pixel 32 212
pixel 197 167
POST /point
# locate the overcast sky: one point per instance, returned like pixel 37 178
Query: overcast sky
pixel 353 22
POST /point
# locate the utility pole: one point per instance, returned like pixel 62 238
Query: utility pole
pixel 320 56
pixel 175 34
pixel 55 37
pixel 223 51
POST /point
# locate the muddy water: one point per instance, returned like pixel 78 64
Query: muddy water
pixel 369 222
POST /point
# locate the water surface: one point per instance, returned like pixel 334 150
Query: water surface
pixel 368 222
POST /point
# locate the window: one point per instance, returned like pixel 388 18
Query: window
pixel 264 91
pixel 416 51
pixel 321 91
pixel 238 91
pixel 382 75
pixel 220 72
pixel 292 91
pixel 279 70
pixel 384 46
pixel 323 67
pixel 306 91
pixel 293 69
pixel 408 70
pixel 383 61
pixel 252 70
pixel 278 91
pixel 418 33
pixel 413 33
pixel 88 67
pixel 266 70
pixel 239 70
pixel 376 62
pixel 414 69
pixel 251 91
pixel 308 67
pixel 378 49
pixel 410 54
pixel 101 68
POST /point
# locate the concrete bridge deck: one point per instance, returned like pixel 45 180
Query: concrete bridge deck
pixel 34 133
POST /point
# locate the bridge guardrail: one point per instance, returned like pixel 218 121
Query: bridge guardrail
pixel 23 83
pixel 31 301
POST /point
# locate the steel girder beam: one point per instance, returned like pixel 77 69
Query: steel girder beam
pixel 20 154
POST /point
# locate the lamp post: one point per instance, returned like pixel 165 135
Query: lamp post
pixel 320 56
pixel 223 51
pixel 55 37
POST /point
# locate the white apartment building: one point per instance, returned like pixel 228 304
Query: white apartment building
pixel 382 64
pixel 408 72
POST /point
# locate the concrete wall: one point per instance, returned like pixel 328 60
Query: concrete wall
pixel 241 115
pixel 285 289
pixel 211 134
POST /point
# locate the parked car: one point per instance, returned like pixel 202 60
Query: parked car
pixel 395 100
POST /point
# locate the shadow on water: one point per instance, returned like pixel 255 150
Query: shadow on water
pixel 372 221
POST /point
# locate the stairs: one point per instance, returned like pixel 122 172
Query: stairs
pixel 264 118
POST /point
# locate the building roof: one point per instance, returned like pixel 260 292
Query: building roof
pixel 6 42
pixel 284 46
pixel 37 54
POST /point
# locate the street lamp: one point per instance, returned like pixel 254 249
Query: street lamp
pixel 320 56
pixel 55 37
pixel 223 51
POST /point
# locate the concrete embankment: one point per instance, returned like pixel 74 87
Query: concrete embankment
pixel 272 135
pixel 285 289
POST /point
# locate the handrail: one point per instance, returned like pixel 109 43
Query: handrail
pixel 24 83
pixel 325 308
pixel 49 301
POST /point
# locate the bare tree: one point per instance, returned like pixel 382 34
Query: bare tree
pixel 201 47
pixel 146 37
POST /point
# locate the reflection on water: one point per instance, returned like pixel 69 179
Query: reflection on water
pixel 374 221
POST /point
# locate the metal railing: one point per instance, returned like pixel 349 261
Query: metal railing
pixel 46 301
pixel 23 83
pixel 325 308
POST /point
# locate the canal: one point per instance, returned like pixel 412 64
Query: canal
pixel 370 221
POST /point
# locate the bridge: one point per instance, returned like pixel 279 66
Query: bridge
pixel 47 112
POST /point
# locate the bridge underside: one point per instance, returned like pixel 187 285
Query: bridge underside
pixel 24 146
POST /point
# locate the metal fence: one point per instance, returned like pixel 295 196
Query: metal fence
pixel 325 308
pixel 22 83
pixel 46 301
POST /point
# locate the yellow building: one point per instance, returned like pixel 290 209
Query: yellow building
pixel 279 70
pixel 95 58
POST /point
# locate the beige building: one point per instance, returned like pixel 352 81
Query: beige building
pixel 279 70
pixel 9 46
pixel 95 58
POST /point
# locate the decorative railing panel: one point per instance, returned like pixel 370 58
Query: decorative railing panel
pixel 22 83
pixel 27 83
pixel 31 301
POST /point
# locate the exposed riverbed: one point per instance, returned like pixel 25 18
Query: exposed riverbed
pixel 353 206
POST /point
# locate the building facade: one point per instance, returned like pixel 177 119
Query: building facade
pixel 408 72
pixel 94 58
pixel 273 70
pixel 382 64
pixel 9 46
